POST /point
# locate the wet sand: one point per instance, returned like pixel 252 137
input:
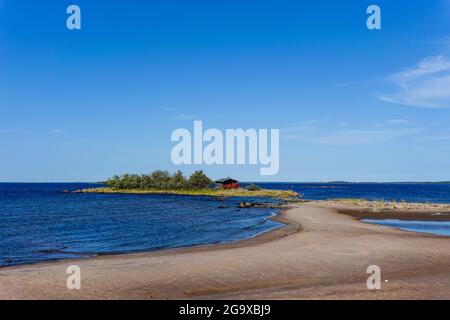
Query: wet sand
pixel 400 215
pixel 320 254
pixel 389 210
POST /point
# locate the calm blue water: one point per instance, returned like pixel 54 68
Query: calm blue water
pixel 39 222
pixel 435 227
pixel 418 192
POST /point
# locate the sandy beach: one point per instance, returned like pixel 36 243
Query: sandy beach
pixel 320 254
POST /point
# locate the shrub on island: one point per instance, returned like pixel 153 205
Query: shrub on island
pixel 253 187
pixel 160 180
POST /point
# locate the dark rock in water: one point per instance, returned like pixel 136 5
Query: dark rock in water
pixel 71 191
pixel 222 207
pixel 247 205
pixel 259 205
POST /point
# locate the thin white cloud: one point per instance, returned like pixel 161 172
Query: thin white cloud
pixel 185 117
pixel 168 109
pixel 181 116
pixel 347 137
pixel 443 137
pixel 23 132
pixel 426 85
pixel 396 121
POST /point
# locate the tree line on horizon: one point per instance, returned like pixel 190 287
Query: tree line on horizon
pixel 160 180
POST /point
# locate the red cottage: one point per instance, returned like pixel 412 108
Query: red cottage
pixel 227 183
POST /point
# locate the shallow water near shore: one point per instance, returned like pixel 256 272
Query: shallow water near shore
pixel 39 222
pixel 433 227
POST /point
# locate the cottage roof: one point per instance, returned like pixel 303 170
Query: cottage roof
pixel 226 180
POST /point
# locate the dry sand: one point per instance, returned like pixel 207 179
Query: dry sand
pixel 321 254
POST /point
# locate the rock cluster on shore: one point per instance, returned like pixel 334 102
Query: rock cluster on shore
pixel 259 205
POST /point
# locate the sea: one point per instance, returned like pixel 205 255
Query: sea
pixel 42 221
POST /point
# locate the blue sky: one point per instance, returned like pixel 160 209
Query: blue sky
pixel 351 104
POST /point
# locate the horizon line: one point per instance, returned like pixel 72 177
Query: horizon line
pixel 249 181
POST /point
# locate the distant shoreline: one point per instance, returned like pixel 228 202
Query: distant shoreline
pixel 246 182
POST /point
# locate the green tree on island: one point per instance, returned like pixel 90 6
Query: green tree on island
pixel 179 181
pixel 198 184
pixel 160 180
pixel 198 180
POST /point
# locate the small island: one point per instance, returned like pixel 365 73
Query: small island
pixel 198 184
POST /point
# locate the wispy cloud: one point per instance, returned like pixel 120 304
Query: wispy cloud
pixel 391 123
pixel 425 85
pixel 181 116
pixel 442 137
pixel 345 137
pixel 396 121
pixel 168 109
pixel 19 132
pixel 185 117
